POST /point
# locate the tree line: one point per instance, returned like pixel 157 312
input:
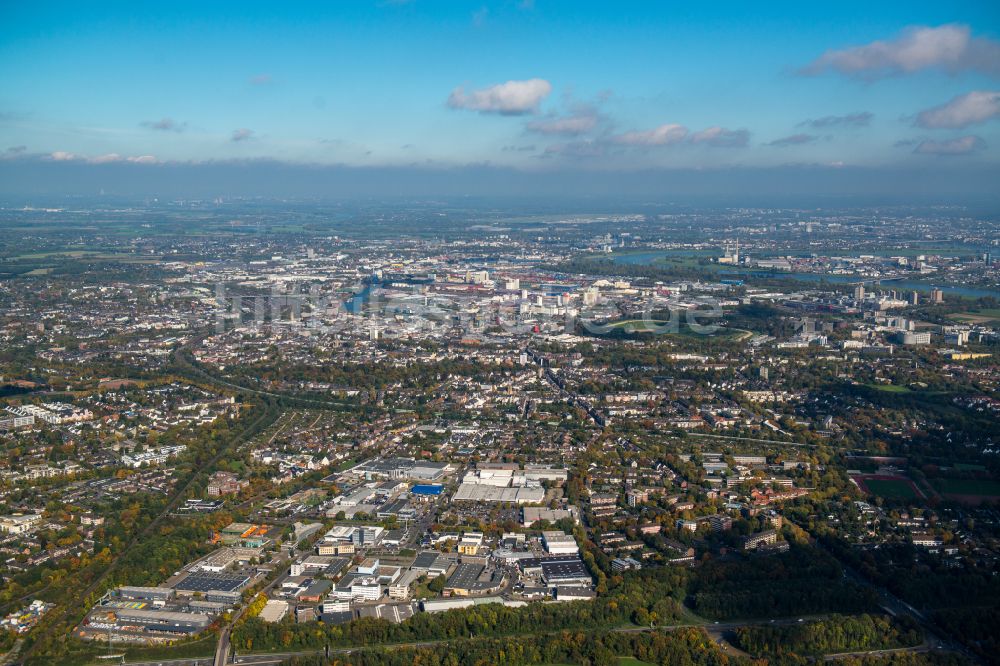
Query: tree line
pixel 685 647
pixel 830 636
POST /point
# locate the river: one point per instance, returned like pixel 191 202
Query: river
pixel 905 284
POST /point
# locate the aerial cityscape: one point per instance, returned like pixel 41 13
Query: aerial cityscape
pixel 311 361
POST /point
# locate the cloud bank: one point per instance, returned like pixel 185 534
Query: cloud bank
pixel 950 47
pixel 971 108
pixel 27 178
pixel 109 158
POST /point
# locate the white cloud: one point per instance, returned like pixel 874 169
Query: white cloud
pixel 569 125
pixel 658 136
pixel 949 47
pixel 971 108
pixel 960 146
pixel 108 158
pixel 261 80
pixel 242 134
pixel 721 137
pixel 512 98
pixel 115 157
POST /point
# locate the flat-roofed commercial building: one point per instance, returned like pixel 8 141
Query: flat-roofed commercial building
pixel 150 593
pixel 474 492
pixel 532 514
pixel 152 618
pixel 557 571
pixel 559 543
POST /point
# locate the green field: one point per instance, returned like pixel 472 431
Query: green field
pixel 984 316
pixel 891 488
pixel 983 487
pixel 889 388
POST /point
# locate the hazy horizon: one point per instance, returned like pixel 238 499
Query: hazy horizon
pixel 24 181
pixel 502 98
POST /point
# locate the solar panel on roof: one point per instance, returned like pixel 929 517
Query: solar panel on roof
pixel 204 581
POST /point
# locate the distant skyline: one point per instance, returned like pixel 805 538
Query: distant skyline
pixel 539 87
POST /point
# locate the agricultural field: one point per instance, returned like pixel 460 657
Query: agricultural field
pixel 984 316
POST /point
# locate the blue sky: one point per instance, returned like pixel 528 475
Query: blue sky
pixel 541 85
